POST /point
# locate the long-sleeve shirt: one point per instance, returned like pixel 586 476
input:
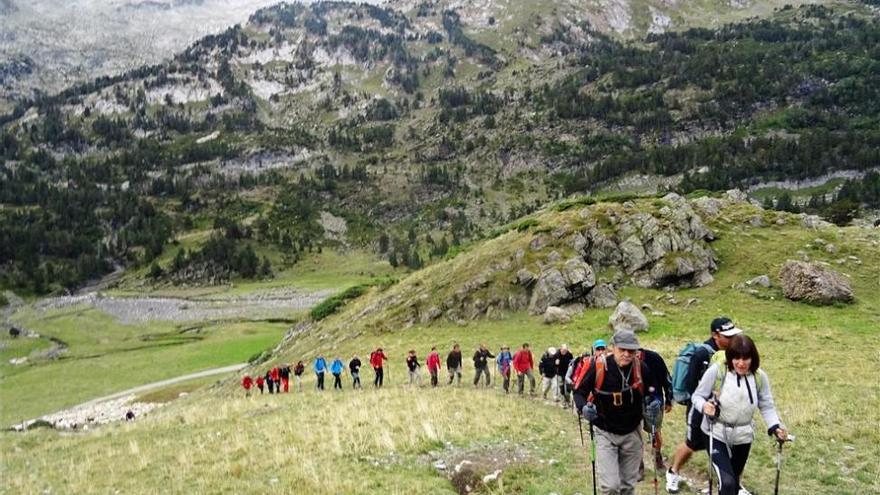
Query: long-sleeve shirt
pixel 523 361
pixel 433 361
pixel 739 397
pixel 622 418
pixel 377 358
pixel 658 377
pixel 354 365
pixel 412 362
pixel 337 366
pixel 482 357
pixel 320 365
pixel 453 360
pixel 503 360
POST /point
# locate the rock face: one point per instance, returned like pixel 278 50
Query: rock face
pixel 808 282
pixel 628 317
pixel 655 250
pixel 557 286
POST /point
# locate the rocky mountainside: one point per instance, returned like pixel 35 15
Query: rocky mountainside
pixel 416 126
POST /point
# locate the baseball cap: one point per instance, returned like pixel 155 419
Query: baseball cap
pixel 625 339
pixel 725 327
pixel 599 343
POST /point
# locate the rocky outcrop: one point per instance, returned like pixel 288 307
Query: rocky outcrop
pixel 555 314
pixel 627 316
pixel 814 284
pixel 557 286
pixel 665 248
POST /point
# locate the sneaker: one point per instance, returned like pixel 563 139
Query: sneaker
pixel 672 481
pixel 743 491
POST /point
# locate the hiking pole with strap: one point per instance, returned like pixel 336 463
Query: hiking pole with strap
pixel 583 445
pixel 654 450
pixel 779 461
pixel 711 420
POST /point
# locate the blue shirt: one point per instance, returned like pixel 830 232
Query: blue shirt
pixel 336 367
pixel 320 365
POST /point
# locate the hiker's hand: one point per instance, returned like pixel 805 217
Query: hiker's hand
pixel 781 434
pixel 589 412
pixel 667 407
pixel 709 410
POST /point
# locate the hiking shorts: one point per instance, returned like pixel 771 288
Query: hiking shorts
pixel 695 438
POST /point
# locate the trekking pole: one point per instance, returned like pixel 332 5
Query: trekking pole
pixel 593 456
pixel 654 450
pixel 779 461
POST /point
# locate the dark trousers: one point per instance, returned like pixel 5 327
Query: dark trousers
pixel 356 380
pixel 380 376
pixel 337 381
pixel 482 371
pixel 433 377
pixel 271 384
pixel 728 463
pixel 506 382
pixel 320 380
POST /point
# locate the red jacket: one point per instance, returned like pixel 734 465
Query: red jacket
pixel 523 361
pixel 260 381
pixel 433 361
pixel 246 382
pixel 376 359
pixel 275 374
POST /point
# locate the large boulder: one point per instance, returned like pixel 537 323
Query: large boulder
pixel 556 287
pixel 602 296
pixel 812 283
pixel 555 314
pixel 627 316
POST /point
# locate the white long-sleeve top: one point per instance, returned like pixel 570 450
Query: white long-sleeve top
pixel 739 397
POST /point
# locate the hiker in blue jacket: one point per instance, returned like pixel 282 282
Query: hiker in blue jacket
pixel 320 369
pixel 336 368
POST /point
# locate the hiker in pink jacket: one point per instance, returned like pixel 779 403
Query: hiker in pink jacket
pixel 433 364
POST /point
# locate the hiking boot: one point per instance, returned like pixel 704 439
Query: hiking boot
pixel 743 491
pixel 672 481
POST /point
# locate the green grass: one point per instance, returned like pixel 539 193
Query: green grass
pixel 105 357
pixel 818 360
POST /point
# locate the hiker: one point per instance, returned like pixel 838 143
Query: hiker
pixel 270 382
pixel 260 383
pixel 481 365
pixel 523 363
pixel 129 415
pixel 610 397
pixel 320 368
pixel 247 382
pixel 432 362
pixel 547 368
pixel 377 360
pixel 298 371
pixel 336 368
pixel 453 364
pixel 285 378
pixel 731 392
pixel 354 367
pixel 503 361
pixel 276 378
pixel 563 359
pixel 721 331
pixel 412 365
pixel 658 399
pixel 578 368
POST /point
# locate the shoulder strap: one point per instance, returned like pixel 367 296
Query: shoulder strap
pixel 581 371
pixel 636 380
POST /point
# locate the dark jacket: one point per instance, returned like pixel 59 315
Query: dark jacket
pixel 453 360
pixel 562 362
pixel 354 365
pixel 621 419
pixel 412 362
pixel 658 376
pixel 699 364
pixel 482 357
pixel 299 369
pixel 285 373
pixel 547 365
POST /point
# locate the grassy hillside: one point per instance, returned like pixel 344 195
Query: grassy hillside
pixel 386 441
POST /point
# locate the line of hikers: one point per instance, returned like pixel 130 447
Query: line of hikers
pixel 556 368
pixel 621 392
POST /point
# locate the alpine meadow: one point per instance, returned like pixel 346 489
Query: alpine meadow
pixel 248 266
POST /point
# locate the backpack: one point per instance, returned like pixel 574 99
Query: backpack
pixel 581 371
pixel 680 393
pixel 635 379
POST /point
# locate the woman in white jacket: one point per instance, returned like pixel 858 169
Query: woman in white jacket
pixel 729 395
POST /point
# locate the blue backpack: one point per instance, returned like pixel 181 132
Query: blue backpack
pixel 680 393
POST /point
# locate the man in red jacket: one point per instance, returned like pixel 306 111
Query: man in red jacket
pixel 377 359
pixel 523 363
pixel 433 364
pixel 260 382
pixel 276 378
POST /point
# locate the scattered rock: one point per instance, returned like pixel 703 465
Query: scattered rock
pixel 760 280
pixel 813 222
pixel 17 361
pixel 814 284
pixel 691 302
pixel 555 314
pixel 627 316
pixel 756 221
